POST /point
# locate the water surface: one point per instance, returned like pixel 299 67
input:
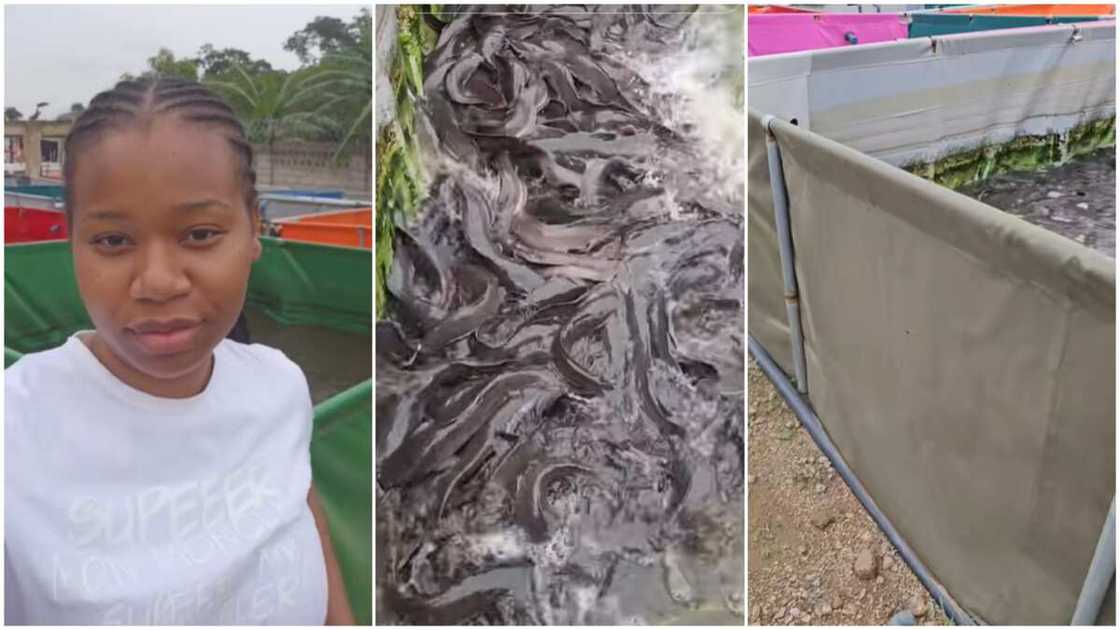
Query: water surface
pixel 1076 199
pixel 333 361
pixel 560 378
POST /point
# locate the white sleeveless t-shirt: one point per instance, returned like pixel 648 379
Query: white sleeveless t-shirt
pixel 126 508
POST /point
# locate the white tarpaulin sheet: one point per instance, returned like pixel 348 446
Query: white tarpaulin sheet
pixel 920 100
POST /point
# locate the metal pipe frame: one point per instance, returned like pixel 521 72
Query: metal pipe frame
pixel 808 418
pixel 1099 576
pixel 785 249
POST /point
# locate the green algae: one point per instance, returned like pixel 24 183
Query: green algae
pixel 1020 154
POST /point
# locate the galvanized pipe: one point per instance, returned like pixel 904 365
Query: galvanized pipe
pixel 785 249
pixel 812 424
pixel 1101 571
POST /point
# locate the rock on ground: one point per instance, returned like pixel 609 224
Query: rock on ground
pixel 866 565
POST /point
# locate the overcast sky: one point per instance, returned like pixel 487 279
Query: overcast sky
pixel 67 54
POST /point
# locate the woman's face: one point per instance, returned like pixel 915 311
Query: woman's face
pixel 163 245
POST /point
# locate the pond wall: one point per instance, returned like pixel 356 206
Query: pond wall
pixel 961 359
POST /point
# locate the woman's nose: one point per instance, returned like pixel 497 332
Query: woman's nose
pixel 161 275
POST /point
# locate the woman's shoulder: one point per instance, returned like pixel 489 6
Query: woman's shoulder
pixel 42 369
pixel 273 385
pixel 264 361
pixel 37 379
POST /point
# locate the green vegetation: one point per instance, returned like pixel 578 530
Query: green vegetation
pixel 164 63
pixel 345 74
pixel 1023 153
pixel 399 176
pixel 274 106
pixel 328 99
pixel 325 35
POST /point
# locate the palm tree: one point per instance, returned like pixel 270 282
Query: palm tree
pixel 346 76
pixel 274 106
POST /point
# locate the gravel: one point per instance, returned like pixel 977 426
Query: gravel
pixel 803 542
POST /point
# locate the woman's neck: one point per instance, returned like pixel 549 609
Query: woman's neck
pixel 185 386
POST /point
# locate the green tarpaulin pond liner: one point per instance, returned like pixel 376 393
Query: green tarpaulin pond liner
pixel 930 24
pixel 294 284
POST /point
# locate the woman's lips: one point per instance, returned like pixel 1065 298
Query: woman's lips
pixel 163 338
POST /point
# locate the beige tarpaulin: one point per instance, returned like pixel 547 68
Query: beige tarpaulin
pixel 962 361
pixel 766 309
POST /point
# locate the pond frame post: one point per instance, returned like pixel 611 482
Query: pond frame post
pixel 785 250
pixel 1101 571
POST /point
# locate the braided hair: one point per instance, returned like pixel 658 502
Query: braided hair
pixel 138 102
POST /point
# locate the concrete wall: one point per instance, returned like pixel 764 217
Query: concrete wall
pixel 32 133
pixel 296 165
pixel 310 165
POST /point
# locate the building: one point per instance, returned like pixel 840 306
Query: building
pixel 34 148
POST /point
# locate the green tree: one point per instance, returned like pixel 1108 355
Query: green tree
pixel 164 63
pixel 322 36
pixel 346 79
pixel 215 63
pixel 273 106
pixel 12 114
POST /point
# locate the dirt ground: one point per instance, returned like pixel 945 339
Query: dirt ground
pixel 806 530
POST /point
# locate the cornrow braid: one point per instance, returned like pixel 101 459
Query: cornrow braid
pixel 137 102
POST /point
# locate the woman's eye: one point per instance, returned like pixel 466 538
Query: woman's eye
pixel 202 235
pixel 111 241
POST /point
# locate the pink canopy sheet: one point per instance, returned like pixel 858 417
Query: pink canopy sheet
pixel 768 34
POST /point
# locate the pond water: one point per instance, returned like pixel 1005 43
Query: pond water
pixel 333 361
pixel 1076 199
pixel 560 376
